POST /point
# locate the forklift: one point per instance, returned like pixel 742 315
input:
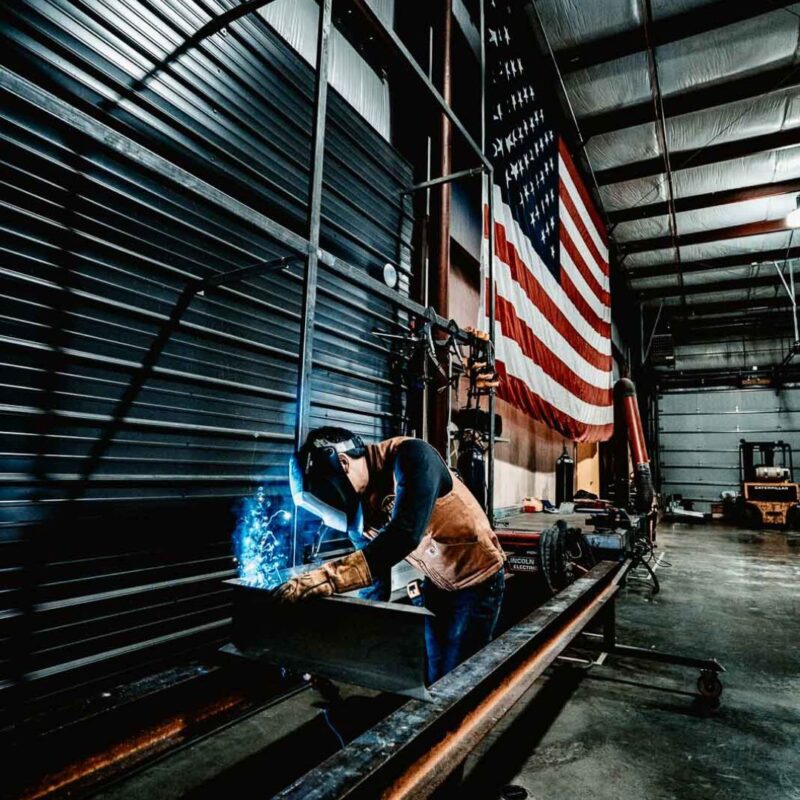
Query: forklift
pixel 768 493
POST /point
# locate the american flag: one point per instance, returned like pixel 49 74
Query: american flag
pixel 552 311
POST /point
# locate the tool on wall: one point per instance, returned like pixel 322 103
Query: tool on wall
pixel 472 422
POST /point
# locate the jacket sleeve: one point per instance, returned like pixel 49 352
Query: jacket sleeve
pixel 421 478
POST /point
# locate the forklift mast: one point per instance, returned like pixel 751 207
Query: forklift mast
pixel 753 455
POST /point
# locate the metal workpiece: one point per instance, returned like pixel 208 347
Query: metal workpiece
pixel 372 644
pixel 412 751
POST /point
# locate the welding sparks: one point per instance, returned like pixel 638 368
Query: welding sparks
pixel 260 541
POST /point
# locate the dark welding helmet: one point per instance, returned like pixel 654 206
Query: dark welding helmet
pixel 320 485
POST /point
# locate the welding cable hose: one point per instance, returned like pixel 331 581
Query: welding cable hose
pixel 335 577
pixel 625 394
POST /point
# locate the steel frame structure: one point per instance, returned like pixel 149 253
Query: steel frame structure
pixel 410 753
pixel 306 245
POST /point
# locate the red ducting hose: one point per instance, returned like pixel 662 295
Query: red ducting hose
pixel 625 394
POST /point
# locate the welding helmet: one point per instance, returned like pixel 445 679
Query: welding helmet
pixel 320 485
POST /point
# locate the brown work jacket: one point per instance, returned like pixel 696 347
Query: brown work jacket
pixel 459 548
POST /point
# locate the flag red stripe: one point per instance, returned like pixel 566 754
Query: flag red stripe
pixel 507 253
pixel 584 309
pixel 577 259
pixel 515 391
pixel 518 330
pixel 577 220
pixel 588 202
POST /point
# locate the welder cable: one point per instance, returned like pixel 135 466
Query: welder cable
pixel 335 732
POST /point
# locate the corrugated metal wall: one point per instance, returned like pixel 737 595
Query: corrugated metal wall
pixel 125 568
pixel 699 432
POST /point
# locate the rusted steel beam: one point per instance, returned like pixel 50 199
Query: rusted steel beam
pixel 425 775
pixel 412 751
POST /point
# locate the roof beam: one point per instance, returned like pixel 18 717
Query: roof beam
pixel 703 237
pixel 708 200
pixel 722 262
pixel 705 288
pixel 675 105
pixel 699 157
pixel 671 29
pixel 759 324
pixel 713 306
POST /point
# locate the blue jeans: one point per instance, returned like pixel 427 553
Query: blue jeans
pixel 464 622
pixel 464 619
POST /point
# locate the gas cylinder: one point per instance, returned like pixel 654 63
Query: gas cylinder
pixel 565 478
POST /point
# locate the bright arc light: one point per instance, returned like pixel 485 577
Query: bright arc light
pixel 793 217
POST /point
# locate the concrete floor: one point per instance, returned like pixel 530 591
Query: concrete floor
pixel 622 731
pixel 632 730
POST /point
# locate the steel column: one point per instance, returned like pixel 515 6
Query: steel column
pixel 439 276
pixel 488 295
pixel 306 349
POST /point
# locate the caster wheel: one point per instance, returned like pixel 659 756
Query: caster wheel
pixel 709 685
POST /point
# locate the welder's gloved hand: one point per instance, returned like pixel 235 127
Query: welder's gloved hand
pixel 335 577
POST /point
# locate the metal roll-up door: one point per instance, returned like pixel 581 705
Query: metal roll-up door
pixel 699 432
pixel 121 568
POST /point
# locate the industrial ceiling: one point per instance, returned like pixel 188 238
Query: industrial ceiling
pixel 690 115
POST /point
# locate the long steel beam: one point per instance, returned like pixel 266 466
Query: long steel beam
pixel 671 29
pixel 707 200
pixel 411 752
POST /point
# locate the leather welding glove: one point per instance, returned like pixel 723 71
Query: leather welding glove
pixel 335 577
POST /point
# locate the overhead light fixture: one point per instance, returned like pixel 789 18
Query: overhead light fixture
pixel 793 217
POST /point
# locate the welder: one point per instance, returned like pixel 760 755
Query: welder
pixel 398 500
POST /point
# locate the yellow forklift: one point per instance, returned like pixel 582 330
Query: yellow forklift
pixel 768 494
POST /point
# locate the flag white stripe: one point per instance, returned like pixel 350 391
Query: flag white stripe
pixel 595 303
pixel 519 365
pixel 509 289
pixel 580 244
pixel 566 176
